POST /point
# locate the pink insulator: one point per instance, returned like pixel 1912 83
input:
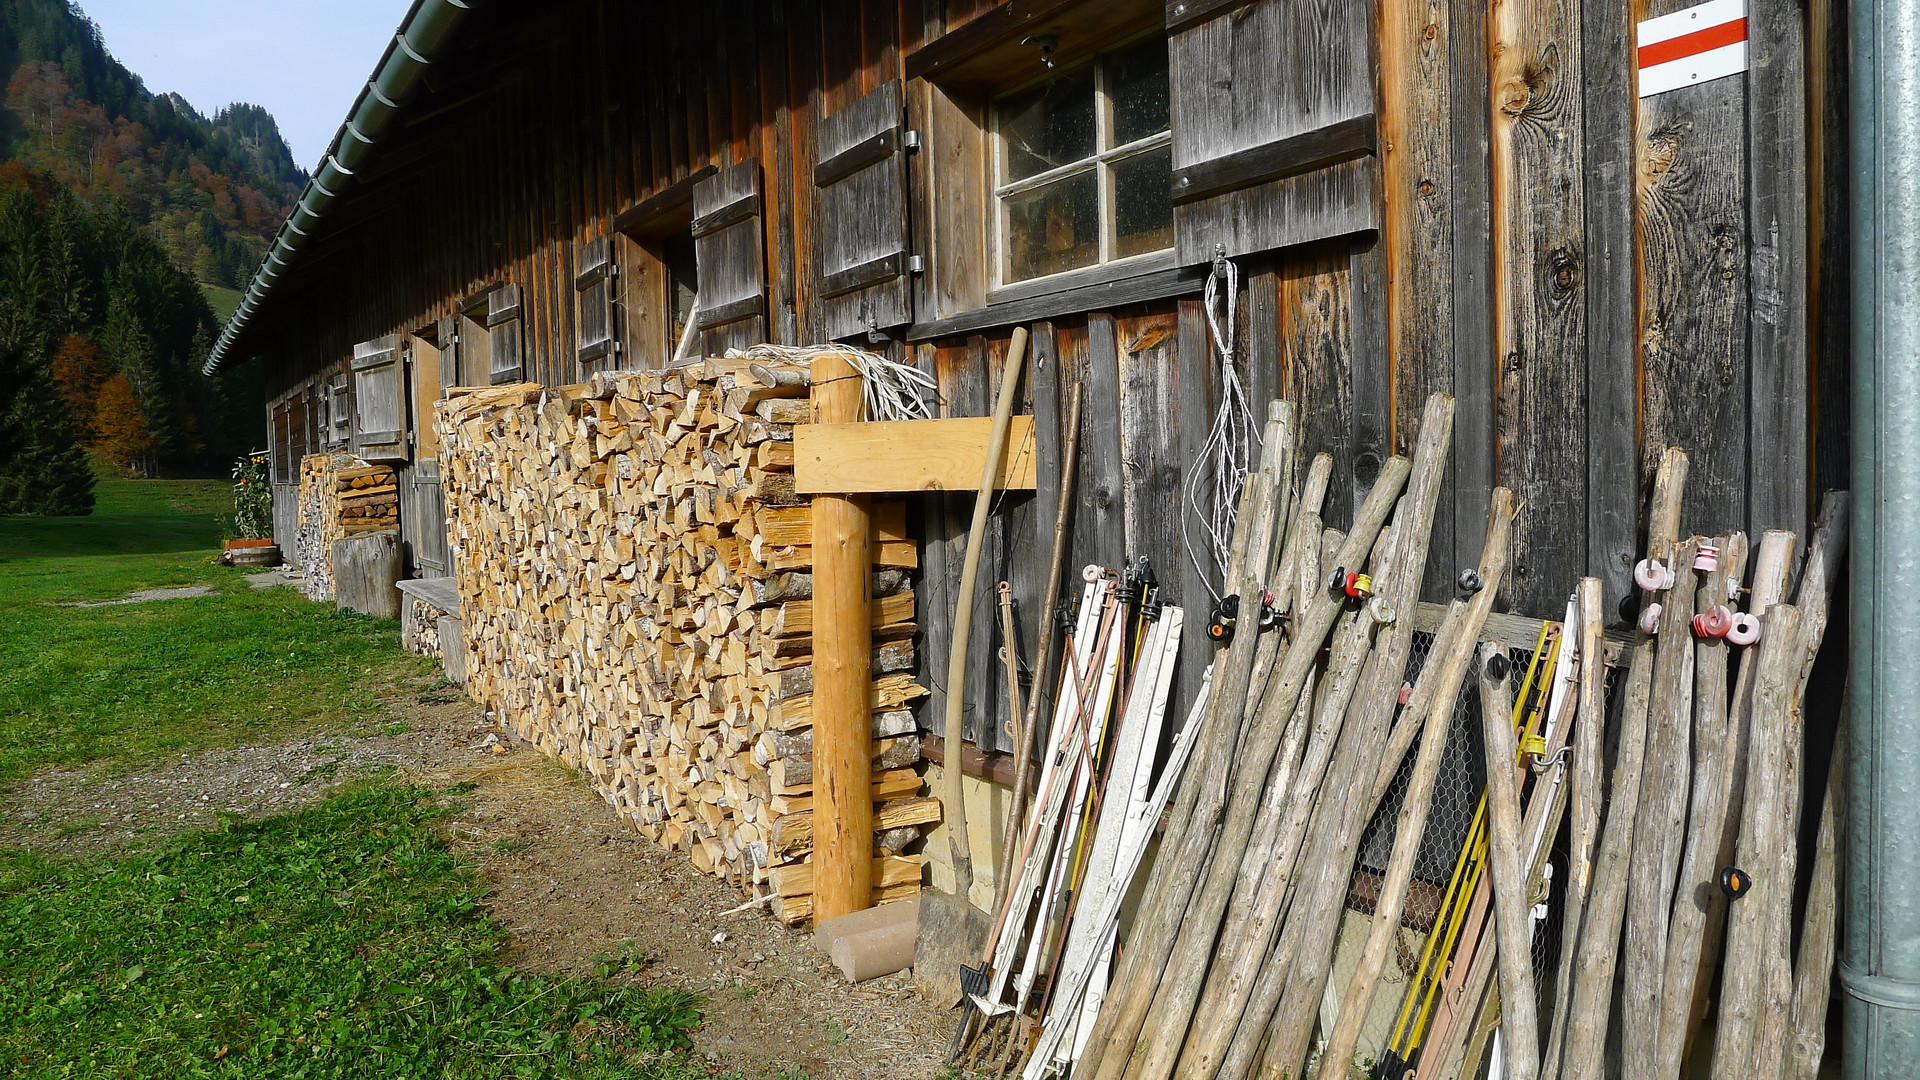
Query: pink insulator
pixel 1745 629
pixel 1713 622
pixel 1653 576
pixel 1707 559
pixel 1650 619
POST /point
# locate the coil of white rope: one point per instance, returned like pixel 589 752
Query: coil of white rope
pixel 1219 471
pixel 889 389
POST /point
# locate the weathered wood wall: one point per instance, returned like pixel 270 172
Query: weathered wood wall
pixel 1591 274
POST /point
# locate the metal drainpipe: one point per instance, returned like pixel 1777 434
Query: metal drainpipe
pixel 1880 961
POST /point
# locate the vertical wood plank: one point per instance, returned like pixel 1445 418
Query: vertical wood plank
pixel 1263 338
pixel 1416 65
pixel 1369 364
pixel 1194 416
pixel 1614 469
pixel 1472 284
pixel 1317 341
pixel 1152 467
pixel 1777 173
pixel 1691 172
pixel 1539 292
pixel 1049 397
pixel 938 576
pixel 1100 528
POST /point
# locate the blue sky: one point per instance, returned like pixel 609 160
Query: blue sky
pixel 302 59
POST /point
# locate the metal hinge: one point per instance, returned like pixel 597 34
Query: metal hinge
pixel 916 264
pixel 910 140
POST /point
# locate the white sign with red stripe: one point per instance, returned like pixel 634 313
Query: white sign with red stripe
pixel 1699 44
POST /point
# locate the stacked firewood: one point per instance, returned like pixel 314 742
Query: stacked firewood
pixel 341 495
pixel 633 566
pixel 420 629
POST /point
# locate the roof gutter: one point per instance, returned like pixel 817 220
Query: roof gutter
pixel 425 31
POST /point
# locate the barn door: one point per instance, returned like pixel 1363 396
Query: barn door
pixel 380 402
pixel 728 254
pixel 503 334
pixel 860 170
pixel 595 346
pixel 1274 131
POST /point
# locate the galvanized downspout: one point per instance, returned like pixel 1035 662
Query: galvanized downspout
pixel 1880 959
pixel 422 34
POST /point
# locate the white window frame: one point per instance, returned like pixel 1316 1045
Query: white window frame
pixel 1101 163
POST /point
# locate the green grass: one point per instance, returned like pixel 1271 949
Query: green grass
pixel 342 941
pixel 224 300
pixel 129 682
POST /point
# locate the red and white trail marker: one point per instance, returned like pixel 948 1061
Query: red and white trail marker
pixel 1692 46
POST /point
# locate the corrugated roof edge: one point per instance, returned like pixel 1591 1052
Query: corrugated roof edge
pixel 426 29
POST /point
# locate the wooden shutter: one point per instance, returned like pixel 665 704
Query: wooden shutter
pixel 595 346
pixel 860 169
pixel 380 403
pixel 284 467
pixel 729 258
pixel 1274 131
pixel 503 333
pixel 449 335
pixel 339 431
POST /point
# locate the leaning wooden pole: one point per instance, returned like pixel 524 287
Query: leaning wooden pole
pixel 1589 1008
pixel 1411 825
pixel 842 671
pixel 1512 908
pixel 954 731
pixel 1583 831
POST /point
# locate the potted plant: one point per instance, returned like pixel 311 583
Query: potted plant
pixel 252 514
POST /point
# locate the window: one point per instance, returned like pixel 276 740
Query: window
pixel 1083 167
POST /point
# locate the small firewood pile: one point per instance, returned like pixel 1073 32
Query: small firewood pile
pixel 341 495
pixel 420 630
pixel 633 567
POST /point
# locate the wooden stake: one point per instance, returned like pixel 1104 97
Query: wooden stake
pixel 1764 828
pixel 1411 824
pixel 1512 910
pixel 1813 978
pixel 1825 555
pixel 1186 845
pixel 1660 819
pixel 1588 1007
pixel 842 672
pixel 1699 908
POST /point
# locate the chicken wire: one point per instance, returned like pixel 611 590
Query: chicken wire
pixel 1456 798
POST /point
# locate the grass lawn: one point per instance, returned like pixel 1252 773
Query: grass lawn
pixel 128 682
pixel 343 941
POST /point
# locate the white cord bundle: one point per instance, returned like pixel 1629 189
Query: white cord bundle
pixel 1220 470
pixel 889 390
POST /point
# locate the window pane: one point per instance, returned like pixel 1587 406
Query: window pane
pixel 1137 81
pixel 1143 203
pixel 1048 126
pixel 1052 228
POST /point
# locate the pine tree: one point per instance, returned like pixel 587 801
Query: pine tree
pixel 43 470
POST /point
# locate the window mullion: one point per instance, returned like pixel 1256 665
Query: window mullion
pixel 1103 179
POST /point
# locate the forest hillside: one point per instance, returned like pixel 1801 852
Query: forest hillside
pixel 119 209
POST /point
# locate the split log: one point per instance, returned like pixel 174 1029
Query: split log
pixel 1813 975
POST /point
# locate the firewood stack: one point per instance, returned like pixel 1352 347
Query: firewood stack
pixel 634 568
pixel 341 495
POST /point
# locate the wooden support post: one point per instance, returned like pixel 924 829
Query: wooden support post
pixel 842 671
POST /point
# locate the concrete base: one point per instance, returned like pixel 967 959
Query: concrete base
pixel 366 574
pixel 871 943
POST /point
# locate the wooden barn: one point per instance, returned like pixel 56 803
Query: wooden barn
pixel 1349 206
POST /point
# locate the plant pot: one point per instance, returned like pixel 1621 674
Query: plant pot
pixel 253 553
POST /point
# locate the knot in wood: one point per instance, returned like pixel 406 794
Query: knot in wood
pixel 1514 96
pixel 1426 188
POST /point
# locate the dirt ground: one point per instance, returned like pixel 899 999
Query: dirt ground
pixel 577 889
